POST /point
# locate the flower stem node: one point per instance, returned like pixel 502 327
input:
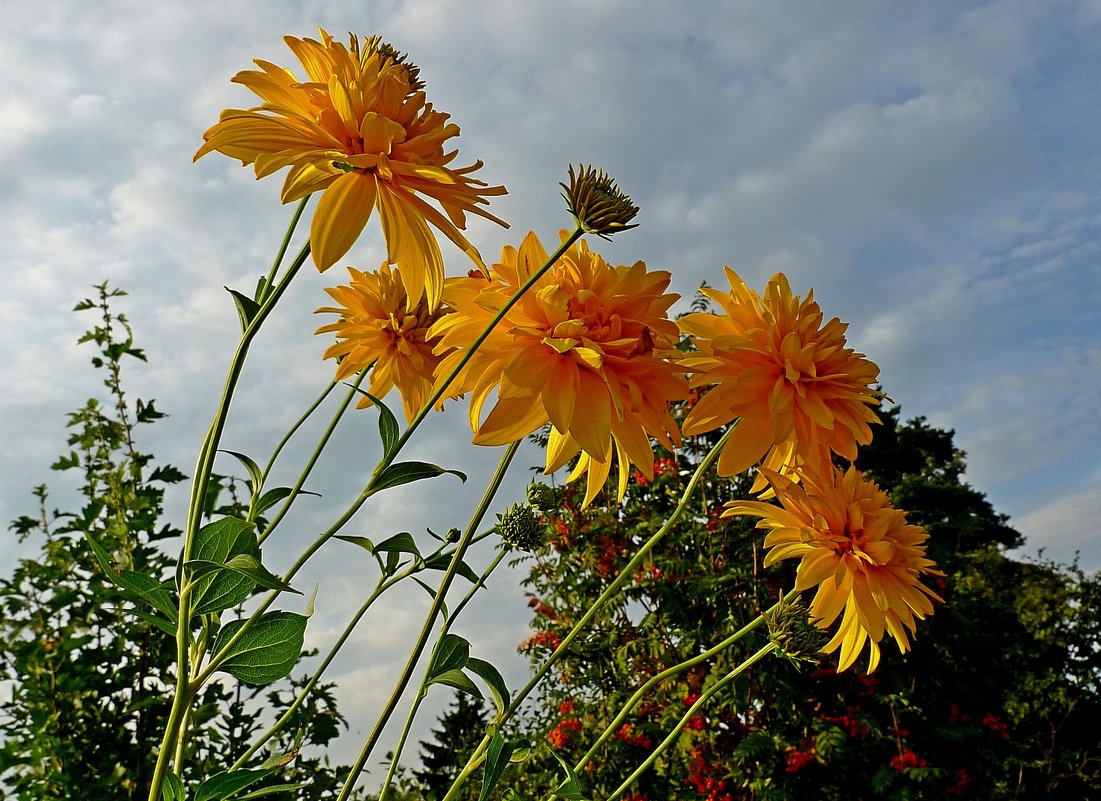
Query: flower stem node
pixel 597 203
pixel 791 631
pixel 522 528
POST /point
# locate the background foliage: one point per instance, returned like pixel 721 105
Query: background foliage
pixel 996 700
pixel 86 666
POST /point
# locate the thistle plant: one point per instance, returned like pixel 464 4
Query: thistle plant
pixel 556 340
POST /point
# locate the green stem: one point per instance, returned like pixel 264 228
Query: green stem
pixel 611 591
pixel 283 249
pixel 329 387
pixel 325 437
pixel 415 706
pixel 429 620
pixel 382 586
pixel 688 715
pixel 656 679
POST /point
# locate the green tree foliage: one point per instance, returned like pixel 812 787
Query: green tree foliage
pixel 81 660
pixel 461 727
pixel 996 700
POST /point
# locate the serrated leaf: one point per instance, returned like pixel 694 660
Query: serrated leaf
pixel 387 426
pixel 458 680
pixel 246 307
pixel 218 542
pixel 255 474
pixel 267 652
pixel 497 759
pixel 406 472
pixel 441 561
pixel 225 785
pixel 493 679
pixel 173 788
pixel 247 565
pixel 453 654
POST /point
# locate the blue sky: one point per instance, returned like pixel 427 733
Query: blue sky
pixel 931 170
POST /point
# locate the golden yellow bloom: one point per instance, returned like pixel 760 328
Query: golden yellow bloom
pixel 799 391
pixel 584 350
pixel 858 550
pixel 359 131
pixel 376 326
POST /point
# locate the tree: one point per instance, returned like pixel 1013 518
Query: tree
pixel 994 701
pixel 461 728
pixel 80 658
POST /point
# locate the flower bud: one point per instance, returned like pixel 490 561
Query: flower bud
pixel 522 528
pixel 597 203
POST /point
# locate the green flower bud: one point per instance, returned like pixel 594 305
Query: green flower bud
pixel 541 497
pixel 795 637
pixel 522 528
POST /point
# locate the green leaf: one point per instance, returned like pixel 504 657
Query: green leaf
pixel 255 474
pixel 246 307
pixel 362 542
pixel 247 565
pixel 271 790
pixel 458 680
pixel 145 587
pixel 218 542
pixel 167 626
pixel 406 472
pixel 387 426
pixel 173 788
pixel 494 680
pixel 399 543
pixel 453 654
pixel 441 561
pixel 267 652
pixel 225 785
pixel 497 758
pixel 274 496
pixel 571 789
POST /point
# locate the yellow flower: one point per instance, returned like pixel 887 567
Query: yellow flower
pixel 359 131
pixel 859 551
pixel 799 391
pixel 375 326
pixel 584 349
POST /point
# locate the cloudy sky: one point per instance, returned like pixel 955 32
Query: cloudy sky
pixel 930 169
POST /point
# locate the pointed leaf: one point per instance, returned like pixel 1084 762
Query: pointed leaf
pixel 571 789
pixel 453 653
pixel 497 759
pixel 399 543
pixel 255 474
pixel 246 307
pixel 145 587
pixel 218 542
pixel 167 626
pixel 405 472
pixel 387 426
pixel 493 679
pixel 441 561
pixel 222 786
pixel 173 788
pixel 274 496
pixel 362 542
pixel 458 680
pixel 247 565
pixel 267 652
pixel 271 790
